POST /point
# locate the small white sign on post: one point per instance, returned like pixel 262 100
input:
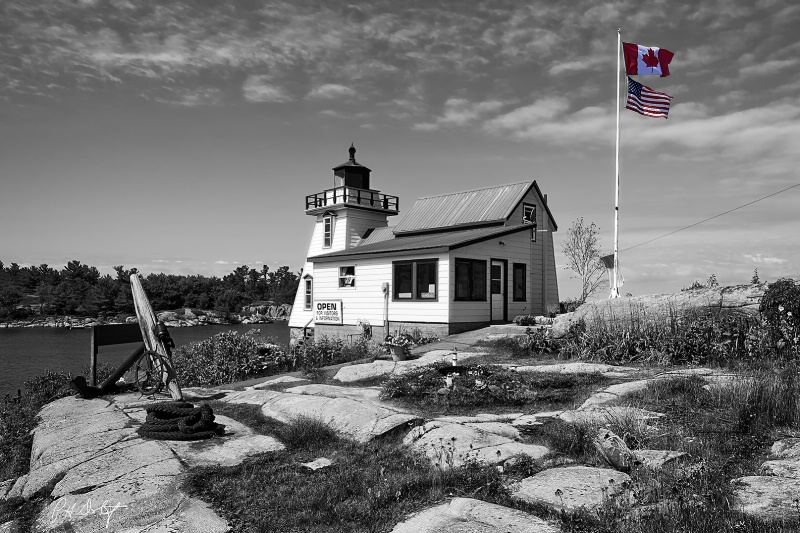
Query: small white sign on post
pixel 328 312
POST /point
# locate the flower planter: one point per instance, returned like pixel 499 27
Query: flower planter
pixel 398 353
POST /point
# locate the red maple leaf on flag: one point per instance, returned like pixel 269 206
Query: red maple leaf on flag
pixel 650 59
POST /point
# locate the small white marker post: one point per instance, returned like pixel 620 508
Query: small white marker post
pixel 455 356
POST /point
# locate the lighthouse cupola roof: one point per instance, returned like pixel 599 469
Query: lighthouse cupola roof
pixel 351 173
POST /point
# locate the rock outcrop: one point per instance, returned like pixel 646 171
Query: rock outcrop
pixel 659 307
pixel 359 419
pixel 572 487
pixel 465 515
pixel 103 476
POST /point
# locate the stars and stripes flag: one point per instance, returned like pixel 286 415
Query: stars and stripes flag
pixel 646 101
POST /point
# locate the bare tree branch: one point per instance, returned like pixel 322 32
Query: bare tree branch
pixel 582 250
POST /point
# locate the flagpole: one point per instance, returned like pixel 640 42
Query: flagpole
pixel 614 287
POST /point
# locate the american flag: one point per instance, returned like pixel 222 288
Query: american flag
pixel 646 101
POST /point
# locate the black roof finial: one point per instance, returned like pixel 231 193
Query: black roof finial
pixel 352 151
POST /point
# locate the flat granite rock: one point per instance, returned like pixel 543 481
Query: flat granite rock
pixel 604 415
pixel 453 444
pixel 575 368
pixel 465 515
pixel 766 497
pixel 358 419
pixel 786 448
pixel 332 391
pixel 238 443
pixel 498 428
pixel 278 381
pixel 140 459
pixel 657 458
pixel 781 467
pixel 479 418
pixel 379 369
pixel 107 478
pixel 5 486
pixel 614 392
pixel 571 488
pixel 71 432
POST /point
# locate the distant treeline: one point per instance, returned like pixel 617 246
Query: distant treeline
pixel 79 289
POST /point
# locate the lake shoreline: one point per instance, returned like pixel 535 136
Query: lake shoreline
pixel 28 352
pixel 90 322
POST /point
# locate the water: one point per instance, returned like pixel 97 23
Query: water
pixel 28 352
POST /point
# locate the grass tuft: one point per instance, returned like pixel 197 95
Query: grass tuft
pixel 307 433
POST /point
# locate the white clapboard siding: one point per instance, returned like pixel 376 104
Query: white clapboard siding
pixel 366 300
pixel 300 316
pixel 517 248
pixel 348 228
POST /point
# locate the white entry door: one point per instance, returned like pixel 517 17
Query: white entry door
pixel 498 286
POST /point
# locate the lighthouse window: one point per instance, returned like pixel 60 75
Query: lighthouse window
pixel 308 293
pixel 347 276
pixel 328 232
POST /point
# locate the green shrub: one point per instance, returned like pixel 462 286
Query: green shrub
pixel 781 308
pixel 486 385
pixel 536 342
pixel 327 351
pixel 691 337
pixel 18 419
pixel 525 320
pixel 229 357
pixel 47 387
pixel 570 305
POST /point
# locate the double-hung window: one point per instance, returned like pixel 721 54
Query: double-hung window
pixel 520 283
pixel 347 276
pixel 328 233
pixel 415 280
pixel 470 280
pixel 309 294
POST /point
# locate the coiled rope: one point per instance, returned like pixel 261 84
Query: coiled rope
pixel 180 421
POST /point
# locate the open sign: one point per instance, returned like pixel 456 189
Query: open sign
pixel 328 312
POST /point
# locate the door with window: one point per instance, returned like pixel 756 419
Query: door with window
pixel 498 286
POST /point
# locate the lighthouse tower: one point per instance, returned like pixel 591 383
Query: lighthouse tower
pixel 344 214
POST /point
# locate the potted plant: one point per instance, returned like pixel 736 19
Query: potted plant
pixel 398 346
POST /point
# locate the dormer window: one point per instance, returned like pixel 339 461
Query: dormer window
pixel 328 238
pixel 529 217
pixel 529 214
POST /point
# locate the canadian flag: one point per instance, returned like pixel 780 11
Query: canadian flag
pixel 646 60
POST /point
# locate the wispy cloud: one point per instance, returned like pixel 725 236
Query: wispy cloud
pixel 460 112
pixel 331 91
pixel 261 89
pixel 769 67
pixel 759 258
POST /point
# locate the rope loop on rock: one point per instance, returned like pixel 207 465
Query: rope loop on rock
pixel 180 421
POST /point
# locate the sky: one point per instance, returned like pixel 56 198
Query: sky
pixel 183 136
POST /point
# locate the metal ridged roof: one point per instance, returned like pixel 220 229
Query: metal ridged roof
pixel 444 239
pixel 481 206
pixel 377 235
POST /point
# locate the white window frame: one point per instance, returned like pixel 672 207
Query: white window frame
pixel 530 220
pixel 347 281
pixel 327 231
pixel 308 293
